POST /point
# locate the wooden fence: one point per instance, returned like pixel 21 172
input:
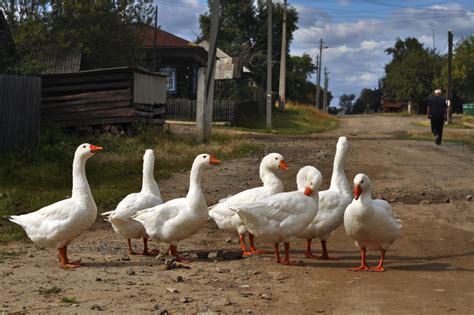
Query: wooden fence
pixel 20 101
pixel 185 109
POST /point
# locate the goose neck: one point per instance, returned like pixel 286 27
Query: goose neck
pixel 338 178
pixel 269 178
pixel 195 189
pixel 80 185
pixel 149 183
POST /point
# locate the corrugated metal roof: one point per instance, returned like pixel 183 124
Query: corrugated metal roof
pixel 61 60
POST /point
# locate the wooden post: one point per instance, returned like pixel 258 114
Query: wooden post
pixel 318 87
pixel 200 104
pixel 154 39
pixel 282 86
pixel 325 95
pixel 450 82
pixel 269 64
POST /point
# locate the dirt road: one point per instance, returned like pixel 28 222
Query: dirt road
pixel 429 270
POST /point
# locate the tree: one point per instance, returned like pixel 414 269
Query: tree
pixel 299 70
pixel 104 31
pixel 345 102
pixel 462 73
pixel 369 100
pixel 410 74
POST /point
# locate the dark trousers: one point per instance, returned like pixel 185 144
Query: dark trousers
pixel 437 124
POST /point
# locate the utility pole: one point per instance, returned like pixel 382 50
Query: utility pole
pixel 317 79
pixel 318 87
pixel 450 83
pixel 282 86
pixel 269 64
pixel 434 47
pixel 205 91
pixel 154 40
pixel 325 96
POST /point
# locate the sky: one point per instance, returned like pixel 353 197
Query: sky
pixel 356 32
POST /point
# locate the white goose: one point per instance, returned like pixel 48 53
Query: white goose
pixel 370 222
pixel 149 196
pixel 332 204
pixel 282 216
pixel 58 224
pixel 178 219
pixel 227 219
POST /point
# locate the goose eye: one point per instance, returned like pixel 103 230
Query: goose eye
pixel 204 156
pixel 84 146
pixel 362 181
pixel 276 158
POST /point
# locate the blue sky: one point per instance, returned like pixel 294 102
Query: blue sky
pixel 355 31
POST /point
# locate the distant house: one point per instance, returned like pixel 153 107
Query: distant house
pixel 227 67
pixel 176 57
pixel 393 106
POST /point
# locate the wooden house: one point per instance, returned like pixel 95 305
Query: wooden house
pixel 174 56
pixel 103 96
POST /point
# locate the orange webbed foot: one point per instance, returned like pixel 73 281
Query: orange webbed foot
pixel 377 269
pixel 260 251
pixel 153 252
pixel 360 268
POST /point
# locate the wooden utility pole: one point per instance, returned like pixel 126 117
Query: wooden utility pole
pixel 205 91
pixel 155 39
pixel 450 83
pixel 318 85
pixel 269 64
pixel 282 86
pixel 317 67
pixel 325 95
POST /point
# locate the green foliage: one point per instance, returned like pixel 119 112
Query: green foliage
pixel 34 179
pixel 345 101
pixel 102 30
pixel 410 74
pixel 68 299
pixel 369 100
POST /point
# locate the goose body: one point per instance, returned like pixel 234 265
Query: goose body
pixel 332 204
pixel 370 222
pixel 149 196
pixel 57 225
pixel 281 217
pixel 178 219
pixel 227 219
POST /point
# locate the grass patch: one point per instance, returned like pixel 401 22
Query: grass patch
pixel 31 180
pixel 52 290
pixel 462 139
pixel 68 299
pixel 457 123
pixel 296 119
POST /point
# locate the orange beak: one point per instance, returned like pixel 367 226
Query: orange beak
pixel 308 191
pixel 283 165
pixel 94 148
pixel 214 161
pixel 357 191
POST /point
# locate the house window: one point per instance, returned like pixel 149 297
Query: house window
pixel 171 79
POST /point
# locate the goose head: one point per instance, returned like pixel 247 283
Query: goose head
pixel 361 184
pixel 148 159
pixel 342 144
pixel 309 180
pixel 274 161
pixel 205 159
pixel 86 150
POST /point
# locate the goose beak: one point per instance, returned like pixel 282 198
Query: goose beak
pixel 283 165
pixel 308 191
pixel 94 148
pixel 357 191
pixel 214 161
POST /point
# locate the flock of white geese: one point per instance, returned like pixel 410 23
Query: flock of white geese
pixel 266 212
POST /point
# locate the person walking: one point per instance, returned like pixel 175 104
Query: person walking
pixel 437 113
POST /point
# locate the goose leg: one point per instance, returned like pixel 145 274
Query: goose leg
pixel 253 250
pixel 173 251
pixel 309 253
pixel 325 255
pixel 277 254
pixel 130 250
pixel 64 261
pixel 245 252
pixel 380 267
pixel 363 264
pixel 145 249
pixel 287 261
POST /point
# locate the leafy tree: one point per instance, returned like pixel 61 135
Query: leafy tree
pixel 410 74
pixel 298 71
pixel 369 100
pixel 345 102
pixel 462 73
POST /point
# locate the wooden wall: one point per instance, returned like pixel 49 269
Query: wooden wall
pixel 20 99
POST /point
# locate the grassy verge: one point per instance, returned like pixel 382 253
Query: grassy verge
pixel 466 138
pixel 31 180
pixel 462 122
pixel 296 119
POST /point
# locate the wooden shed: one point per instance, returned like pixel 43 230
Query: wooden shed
pixel 105 96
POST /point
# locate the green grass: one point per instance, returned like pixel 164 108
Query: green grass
pixel 52 290
pixel 465 140
pixel 456 124
pixel 296 119
pixel 34 179
pixel 68 299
